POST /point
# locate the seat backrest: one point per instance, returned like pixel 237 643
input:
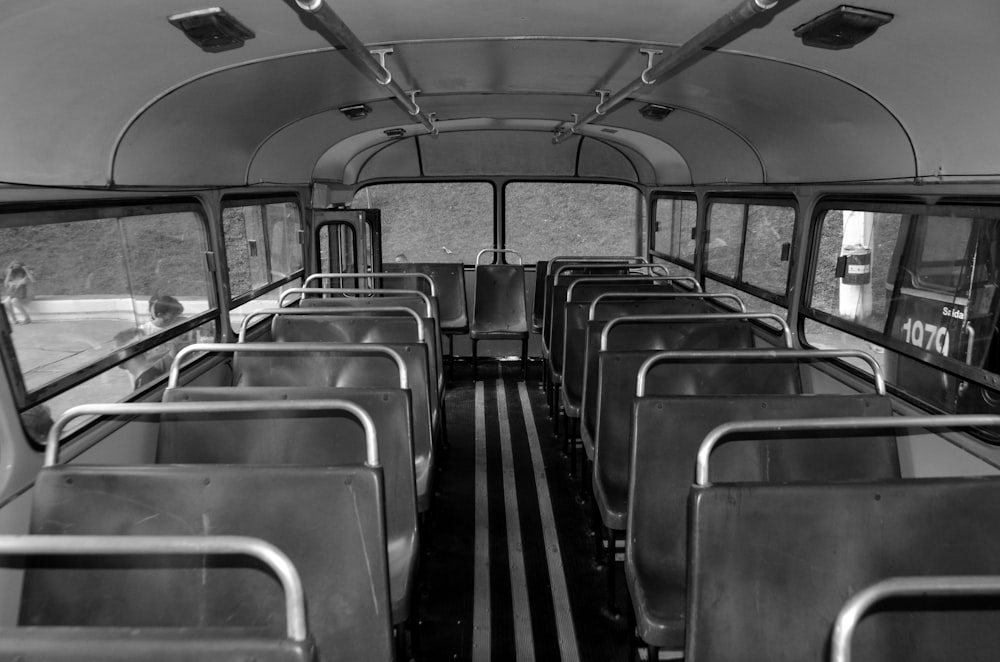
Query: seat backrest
pixel 667 432
pixel 538 300
pixel 558 281
pixel 338 549
pixel 449 279
pixel 500 299
pixel 353 368
pixel 727 334
pixel 135 644
pixel 373 326
pixel 575 346
pixel 592 264
pixel 120 644
pixel 306 438
pixel 803 548
pixel 619 371
pixel 382 330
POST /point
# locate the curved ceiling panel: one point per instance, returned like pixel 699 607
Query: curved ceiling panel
pixel 796 123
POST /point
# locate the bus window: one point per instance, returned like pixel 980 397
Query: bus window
pixel 674 222
pixel 264 252
pixel 103 283
pixel 921 283
pixel 545 219
pixel 431 222
pixel 748 249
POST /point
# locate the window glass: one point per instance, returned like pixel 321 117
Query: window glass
pixel 82 284
pixel 769 231
pixel 919 288
pixel 750 243
pixel 548 219
pixel 725 238
pixel 866 240
pixel 263 251
pixel 675 220
pixel 432 222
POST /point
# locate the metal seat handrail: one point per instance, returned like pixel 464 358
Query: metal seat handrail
pixel 373 275
pixel 717 436
pixel 327 312
pixel 429 307
pixel 245 406
pixel 601 298
pixel 85 545
pixel 288 348
pixel 703 317
pixel 757 355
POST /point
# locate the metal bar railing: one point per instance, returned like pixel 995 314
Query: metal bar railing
pixel 722 28
pixel 271 556
pixel 716 436
pixel 245 406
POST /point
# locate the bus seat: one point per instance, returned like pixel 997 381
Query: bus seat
pixel 182 644
pixel 661 467
pixel 584 287
pixel 499 310
pixel 367 366
pixel 538 298
pixel 577 319
pixel 449 278
pixel 365 327
pixel 330 521
pixel 806 547
pixel 618 373
pixel 651 333
pixel 313 438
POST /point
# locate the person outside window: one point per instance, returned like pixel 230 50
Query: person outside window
pixel 16 284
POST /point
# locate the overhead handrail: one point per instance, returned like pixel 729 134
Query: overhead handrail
pixel 665 295
pixel 498 250
pixel 428 306
pixel 373 275
pixel 861 602
pixel 755 354
pixel 702 317
pixel 341 36
pixel 74 545
pixel 227 407
pixel 287 348
pixel 716 436
pixel 326 312
pixel 722 28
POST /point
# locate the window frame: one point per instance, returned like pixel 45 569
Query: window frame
pixel 651 230
pixel 639 230
pixel 781 300
pixel 492 183
pixel 237 200
pixel 905 207
pixel 79 211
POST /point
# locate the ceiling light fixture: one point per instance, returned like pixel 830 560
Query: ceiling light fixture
pixel 655 112
pixel 842 27
pixel 213 29
pixel 358 111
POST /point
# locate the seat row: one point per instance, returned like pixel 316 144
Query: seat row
pixel 752 558
pixel 307 459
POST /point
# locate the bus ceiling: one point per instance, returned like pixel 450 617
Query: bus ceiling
pixel 131 103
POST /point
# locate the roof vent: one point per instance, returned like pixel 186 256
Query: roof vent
pixel 655 112
pixel 358 111
pixel 842 27
pixel 213 29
